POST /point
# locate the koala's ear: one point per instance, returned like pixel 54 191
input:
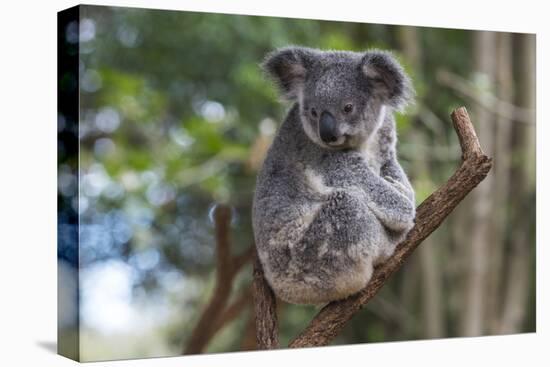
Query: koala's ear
pixel 387 79
pixel 288 67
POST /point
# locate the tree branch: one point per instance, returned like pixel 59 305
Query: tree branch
pixel 241 260
pixel 265 309
pixel 485 98
pixel 216 314
pixel 330 321
pixel 233 310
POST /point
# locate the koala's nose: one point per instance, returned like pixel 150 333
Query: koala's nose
pixel 327 128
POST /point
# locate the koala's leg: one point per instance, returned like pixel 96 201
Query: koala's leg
pixel 337 251
pixel 280 223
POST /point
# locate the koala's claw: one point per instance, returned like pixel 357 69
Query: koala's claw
pixel 398 185
pixel 401 188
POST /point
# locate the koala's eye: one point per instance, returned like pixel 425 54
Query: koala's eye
pixel 348 108
pixel 313 112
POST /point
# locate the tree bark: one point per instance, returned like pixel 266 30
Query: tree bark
pixel 265 307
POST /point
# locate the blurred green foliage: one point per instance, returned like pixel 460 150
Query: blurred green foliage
pixel 172 106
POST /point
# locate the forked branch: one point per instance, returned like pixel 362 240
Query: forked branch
pixel 217 312
pixel 329 322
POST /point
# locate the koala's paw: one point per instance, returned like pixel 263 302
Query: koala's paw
pixel 399 186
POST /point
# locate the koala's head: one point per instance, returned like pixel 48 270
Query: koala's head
pixel 342 96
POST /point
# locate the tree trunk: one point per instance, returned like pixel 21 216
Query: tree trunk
pixel 522 184
pixel 265 308
pixel 409 43
pixel 431 290
pixel 501 202
pixel 474 315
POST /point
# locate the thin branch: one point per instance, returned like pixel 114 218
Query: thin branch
pixel 216 313
pixel 330 321
pixel 233 310
pixel 248 341
pixel 392 311
pixel 222 220
pixel 433 153
pixel 194 175
pixel 486 99
pixel 241 260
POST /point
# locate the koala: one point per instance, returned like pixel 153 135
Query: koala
pixel 331 200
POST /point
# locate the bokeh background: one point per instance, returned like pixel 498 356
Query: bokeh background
pixel 175 118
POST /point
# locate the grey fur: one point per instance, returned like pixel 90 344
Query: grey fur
pixel 325 213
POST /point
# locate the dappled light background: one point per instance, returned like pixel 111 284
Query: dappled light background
pixel 176 116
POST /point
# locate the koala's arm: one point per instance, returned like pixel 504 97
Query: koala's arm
pixel 393 173
pixel 390 190
pixel 390 169
pixel 385 197
pixel 391 202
